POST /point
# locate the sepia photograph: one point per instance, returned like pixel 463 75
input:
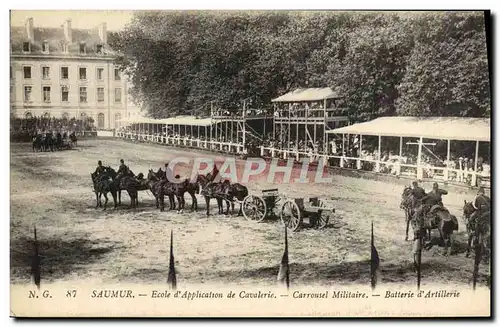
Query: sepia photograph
pixel 250 163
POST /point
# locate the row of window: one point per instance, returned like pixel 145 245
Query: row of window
pixel 100 118
pixel 63 46
pixel 82 73
pixel 46 91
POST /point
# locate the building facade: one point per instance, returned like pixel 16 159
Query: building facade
pixel 65 72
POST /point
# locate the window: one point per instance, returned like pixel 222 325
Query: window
pixel 83 73
pixel 100 120
pixel 118 95
pixel 100 94
pixel 100 73
pixel 27 93
pixel 117 74
pixel 82 47
pixel 83 94
pixel 26 46
pixel 64 47
pixel 99 48
pixel 46 94
pixel 64 93
pixel 27 72
pixel 28 115
pixel 45 47
pixel 117 120
pixel 46 72
pixel 64 72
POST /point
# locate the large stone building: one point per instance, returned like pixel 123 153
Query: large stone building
pixel 65 72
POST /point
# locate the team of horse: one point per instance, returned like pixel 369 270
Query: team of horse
pixel 438 217
pixel 44 142
pixel 160 186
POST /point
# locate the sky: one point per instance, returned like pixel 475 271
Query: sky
pixel 84 19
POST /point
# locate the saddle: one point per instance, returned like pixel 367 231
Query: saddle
pixel 437 207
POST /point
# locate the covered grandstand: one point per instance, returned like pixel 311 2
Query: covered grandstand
pixel 452 149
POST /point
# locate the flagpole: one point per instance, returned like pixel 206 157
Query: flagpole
pixel 419 259
pixel 35 265
pixel 284 271
pixel 172 279
pixel 374 260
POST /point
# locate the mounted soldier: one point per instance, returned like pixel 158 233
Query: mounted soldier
pixel 100 170
pixel 481 204
pixel 418 194
pixel 431 202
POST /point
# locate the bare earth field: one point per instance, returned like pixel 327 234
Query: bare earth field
pixel 54 192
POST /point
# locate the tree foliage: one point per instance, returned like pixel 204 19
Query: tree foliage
pixel 382 63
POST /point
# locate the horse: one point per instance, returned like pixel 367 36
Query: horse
pixel 103 185
pixel 478 230
pixel 160 188
pixel 48 142
pixel 127 183
pixel 224 191
pixel 37 143
pixel 438 218
pixel 73 139
pixel 407 205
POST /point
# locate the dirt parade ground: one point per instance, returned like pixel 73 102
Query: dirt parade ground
pixel 53 191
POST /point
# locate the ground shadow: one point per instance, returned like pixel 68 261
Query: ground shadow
pixel 58 257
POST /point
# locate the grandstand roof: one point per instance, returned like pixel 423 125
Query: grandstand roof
pixel 179 120
pixel 309 94
pixel 443 128
pixel 186 120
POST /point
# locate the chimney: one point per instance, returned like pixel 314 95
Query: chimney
pixel 103 33
pixel 67 31
pixel 30 30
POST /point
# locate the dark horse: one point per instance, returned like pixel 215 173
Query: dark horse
pixel 224 191
pixel 103 185
pixel 160 187
pixel 407 206
pixel 479 229
pixel 37 142
pixel 127 183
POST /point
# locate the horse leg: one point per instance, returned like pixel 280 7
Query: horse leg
pixel 227 207
pixel 172 201
pixel 207 202
pixel 119 196
pixel 115 203
pixel 469 241
pixel 105 200
pixel 194 204
pixel 96 200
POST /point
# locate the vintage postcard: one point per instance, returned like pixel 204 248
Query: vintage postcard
pixel 250 163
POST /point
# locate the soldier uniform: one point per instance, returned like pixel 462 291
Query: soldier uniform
pixel 481 203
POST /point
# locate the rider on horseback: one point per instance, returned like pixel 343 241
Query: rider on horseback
pixel 481 203
pixel 100 169
pixel 431 201
pixel 418 194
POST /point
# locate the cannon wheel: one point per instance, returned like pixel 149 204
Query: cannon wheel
pixel 290 215
pixel 254 208
pixel 323 218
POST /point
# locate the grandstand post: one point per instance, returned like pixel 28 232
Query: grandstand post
pixel 476 157
pixel 379 153
pixel 419 159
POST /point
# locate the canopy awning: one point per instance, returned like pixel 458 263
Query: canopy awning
pixel 187 120
pixel 309 94
pixel 179 120
pixel 442 128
